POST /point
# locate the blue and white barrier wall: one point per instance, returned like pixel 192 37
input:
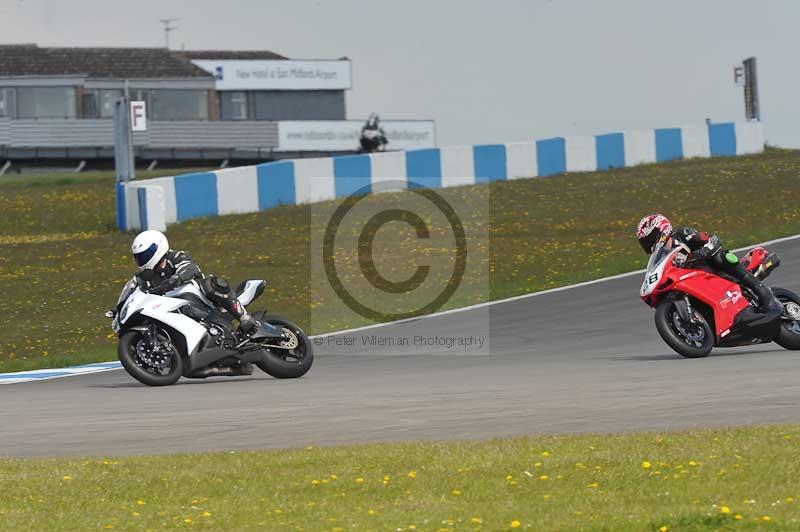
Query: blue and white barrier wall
pixel 156 203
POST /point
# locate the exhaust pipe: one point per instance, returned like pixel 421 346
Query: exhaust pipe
pixel 213 371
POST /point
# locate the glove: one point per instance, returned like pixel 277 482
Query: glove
pixel 170 283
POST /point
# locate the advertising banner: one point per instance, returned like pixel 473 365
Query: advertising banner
pixel 279 74
pixel 344 135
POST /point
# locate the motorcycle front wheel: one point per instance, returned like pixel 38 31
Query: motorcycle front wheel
pixel 691 340
pixel 156 368
pixel 291 362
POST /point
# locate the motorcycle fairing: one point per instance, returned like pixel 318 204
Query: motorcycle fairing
pixel 702 285
pixel 713 291
pixel 162 309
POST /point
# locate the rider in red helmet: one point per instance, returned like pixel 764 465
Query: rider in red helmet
pixel 655 230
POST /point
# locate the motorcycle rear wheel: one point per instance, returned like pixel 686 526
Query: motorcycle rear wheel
pixel 690 340
pixel 126 350
pixel 789 335
pixel 287 364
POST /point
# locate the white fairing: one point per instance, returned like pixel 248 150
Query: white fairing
pixel 249 292
pixel 161 308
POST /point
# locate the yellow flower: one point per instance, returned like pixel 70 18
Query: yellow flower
pixel 738 517
pixel 359 480
pixel 476 520
pixel 546 453
pixel 412 474
pixel 206 514
pixel 646 464
pixel 515 524
pixel 692 463
pixel 187 521
pixel 371 511
pixel 543 477
pixel 592 485
pixel 766 518
pixel 724 510
pixel 67 477
pixel 456 493
pixel 663 528
pixel 135 514
pixel 315 482
pixel 140 502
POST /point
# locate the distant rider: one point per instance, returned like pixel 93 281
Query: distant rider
pixel 174 268
pixel 373 138
pixel 655 230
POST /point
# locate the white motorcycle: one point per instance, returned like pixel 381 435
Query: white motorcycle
pixel 181 333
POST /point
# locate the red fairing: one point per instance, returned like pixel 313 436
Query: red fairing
pixel 754 258
pixel 722 296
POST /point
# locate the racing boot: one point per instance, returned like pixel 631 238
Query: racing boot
pixel 765 297
pixel 248 324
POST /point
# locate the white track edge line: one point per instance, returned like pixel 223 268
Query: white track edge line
pixel 528 295
pixel 450 311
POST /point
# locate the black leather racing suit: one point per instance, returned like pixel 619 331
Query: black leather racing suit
pixel 178 268
pixel 707 248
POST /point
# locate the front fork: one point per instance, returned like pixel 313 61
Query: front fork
pixel 684 307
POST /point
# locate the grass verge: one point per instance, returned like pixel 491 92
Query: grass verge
pixel 722 479
pixel 62 262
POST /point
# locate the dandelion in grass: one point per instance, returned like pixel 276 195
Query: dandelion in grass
pixel 646 464
pixel 456 493
pixel 724 510
pixel 738 517
pixel 515 524
pixel 412 474
pixel 476 520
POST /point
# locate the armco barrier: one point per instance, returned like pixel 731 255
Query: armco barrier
pixel 156 203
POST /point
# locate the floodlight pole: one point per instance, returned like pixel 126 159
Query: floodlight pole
pixel 123 142
pixel 123 157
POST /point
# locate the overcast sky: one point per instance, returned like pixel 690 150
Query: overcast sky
pixel 486 71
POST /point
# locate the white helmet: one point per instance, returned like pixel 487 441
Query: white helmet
pixel 148 248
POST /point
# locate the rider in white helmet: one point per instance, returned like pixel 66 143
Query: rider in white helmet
pixel 173 268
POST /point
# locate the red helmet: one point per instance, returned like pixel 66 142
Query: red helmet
pixel 653 229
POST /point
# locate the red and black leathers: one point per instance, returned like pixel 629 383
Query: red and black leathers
pixel 707 248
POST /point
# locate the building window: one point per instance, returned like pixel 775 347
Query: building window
pixel 100 103
pixel 46 102
pixel 233 105
pixel 169 104
pixel 298 105
pixel 8 103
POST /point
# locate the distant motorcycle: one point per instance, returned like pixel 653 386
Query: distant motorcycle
pixel 181 333
pixel 699 309
pixel 373 140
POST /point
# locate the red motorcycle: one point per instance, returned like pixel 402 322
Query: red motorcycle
pixel 698 309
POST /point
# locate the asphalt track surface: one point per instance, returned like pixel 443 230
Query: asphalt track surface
pixel 587 359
